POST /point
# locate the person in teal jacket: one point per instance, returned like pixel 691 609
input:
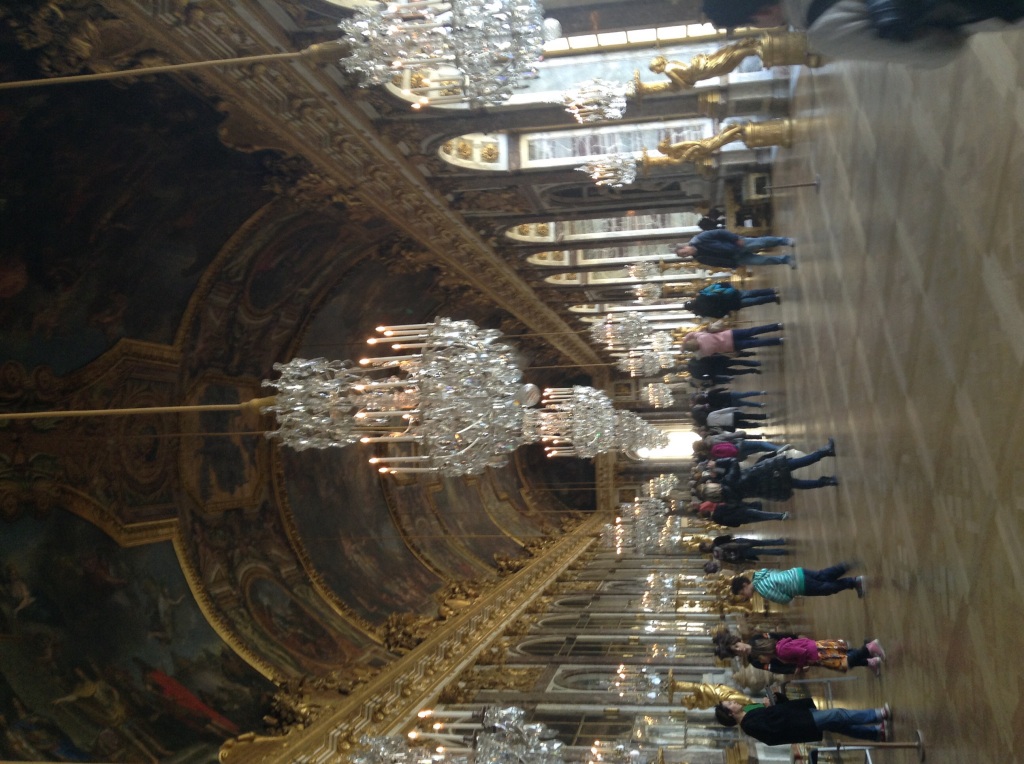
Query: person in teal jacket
pixel 781 586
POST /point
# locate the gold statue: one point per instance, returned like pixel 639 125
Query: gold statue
pixel 774 48
pixel 773 132
pixel 691 151
pixel 703 695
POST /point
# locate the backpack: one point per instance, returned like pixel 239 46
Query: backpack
pixel 718 289
pixel 724 450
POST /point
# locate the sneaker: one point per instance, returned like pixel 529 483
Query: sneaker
pixel 875 664
pixel 875 648
pixel 785 515
pixel 830 449
pixel 785 447
pixel 790 242
pixel 791 259
pixel 883 733
pixel 886 712
pixel 860 585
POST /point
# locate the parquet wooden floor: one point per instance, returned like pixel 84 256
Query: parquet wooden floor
pixel 905 340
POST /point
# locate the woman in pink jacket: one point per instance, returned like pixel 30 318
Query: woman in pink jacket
pixel 729 341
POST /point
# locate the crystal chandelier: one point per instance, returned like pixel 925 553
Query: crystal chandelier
pixel 452 399
pixel 454 395
pixel 643 271
pixel 581 421
pixel 597 100
pixel 648 522
pixel 624 330
pixel 647 293
pixel 661 486
pixel 507 738
pixel 659 395
pixel 472 51
pixel 646 363
pixel 614 170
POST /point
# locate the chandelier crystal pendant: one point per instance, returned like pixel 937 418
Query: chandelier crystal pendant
pixel 472 51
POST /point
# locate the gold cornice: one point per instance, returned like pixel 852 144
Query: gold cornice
pixel 385 704
pixel 302 110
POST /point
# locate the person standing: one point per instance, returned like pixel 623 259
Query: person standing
pixel 721 341
pixel 781 586
pixel 724 249
pixel 799 721
pixel 720 299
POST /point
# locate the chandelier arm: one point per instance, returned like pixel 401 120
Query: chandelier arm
pixel 316 51
pixel 255 403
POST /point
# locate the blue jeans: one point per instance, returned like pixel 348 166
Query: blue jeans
pixel 822 583
pixel 751 246
pixel 806 461
pixel 861 723
pixel 748 447
pixel 752 297
pixel 746 338
pixel 758 243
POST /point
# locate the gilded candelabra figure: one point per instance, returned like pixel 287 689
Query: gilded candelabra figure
pixel 773 132
pixel 691 151
pixel 703 695
pixel 774 48
pixel 691 543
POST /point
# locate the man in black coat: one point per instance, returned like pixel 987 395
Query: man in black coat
pixel 798 721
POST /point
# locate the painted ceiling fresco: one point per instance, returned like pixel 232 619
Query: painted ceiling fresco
pixel 159 573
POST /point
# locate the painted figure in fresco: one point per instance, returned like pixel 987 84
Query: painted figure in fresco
pixel 183 704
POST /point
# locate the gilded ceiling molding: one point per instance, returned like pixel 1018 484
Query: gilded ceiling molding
pixel 303 109
pixel 386 703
